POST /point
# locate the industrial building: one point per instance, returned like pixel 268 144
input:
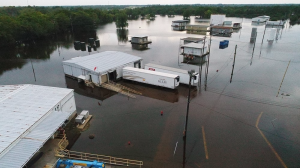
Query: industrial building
pixel 30 116
pixel 140 42
pixel 101 67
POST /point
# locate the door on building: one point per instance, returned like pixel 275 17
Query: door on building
pixel 112 75
pixel 137 64
pixel 104 78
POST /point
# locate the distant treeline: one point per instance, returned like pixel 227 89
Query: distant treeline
pixel 20 24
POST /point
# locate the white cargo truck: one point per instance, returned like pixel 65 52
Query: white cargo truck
pixel 151 77
pixel 183 74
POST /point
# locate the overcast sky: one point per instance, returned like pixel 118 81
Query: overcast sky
pixel 134 2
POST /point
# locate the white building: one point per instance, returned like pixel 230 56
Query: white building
pixel 101 67
pixel 217 19
pixel 30 115
pixel 193 49
pixel 179 24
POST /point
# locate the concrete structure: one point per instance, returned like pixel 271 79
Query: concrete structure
pixel 179 24
pixel 101 67
pixel 221 31
pixel 30 116
pixel 140 42
pixel 217 19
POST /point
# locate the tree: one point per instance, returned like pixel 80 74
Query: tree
pixel 121 20
pixel 186 14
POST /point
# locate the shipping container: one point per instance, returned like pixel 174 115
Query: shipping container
pixel 151 77
pixel 183 74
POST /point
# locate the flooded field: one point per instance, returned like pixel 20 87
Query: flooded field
pixel 246 123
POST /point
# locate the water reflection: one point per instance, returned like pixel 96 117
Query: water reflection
pixel 122 35
pixel 80 88
pixel 10 64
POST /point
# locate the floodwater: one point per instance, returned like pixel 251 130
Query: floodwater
pixel 239 124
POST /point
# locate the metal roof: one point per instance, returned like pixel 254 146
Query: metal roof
pixel 193 45
pixel 28 145
pixel 104 61
pixel 22 109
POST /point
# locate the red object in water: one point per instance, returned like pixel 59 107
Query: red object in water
pixel 217 70
pixel 161 113
pixel 129 143
pixel 99 104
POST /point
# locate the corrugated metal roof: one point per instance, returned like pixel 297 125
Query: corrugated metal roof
pixel 22 107
pixel 104 61
pixel 27 146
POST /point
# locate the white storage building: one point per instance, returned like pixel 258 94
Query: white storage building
pixel 101 67
pixel 30 115
pixel 217 19
pixel 193 49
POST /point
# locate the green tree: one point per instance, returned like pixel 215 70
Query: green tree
pixel 186 14
pixel 121 20
pixel 207 13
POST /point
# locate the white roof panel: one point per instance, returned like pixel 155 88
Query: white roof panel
pixel 22 107
pixel 167 68
pixel 104 61
pixel 28 145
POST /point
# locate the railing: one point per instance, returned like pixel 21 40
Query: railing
pixel 100 158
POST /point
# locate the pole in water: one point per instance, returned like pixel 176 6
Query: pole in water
pixel 233 64
pixel 161 113
pixel 33 70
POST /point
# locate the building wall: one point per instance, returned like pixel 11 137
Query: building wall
pixel 193 51
pixel 217 19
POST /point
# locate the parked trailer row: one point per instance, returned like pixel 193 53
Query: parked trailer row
pixel 151 77
pixel 183 74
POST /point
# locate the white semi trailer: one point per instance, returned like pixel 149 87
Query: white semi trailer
pixel 183 74
pixel 151 77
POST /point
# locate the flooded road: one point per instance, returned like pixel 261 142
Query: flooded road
pixel 244 123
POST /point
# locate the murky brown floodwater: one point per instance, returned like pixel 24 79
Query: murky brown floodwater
pixel 228 112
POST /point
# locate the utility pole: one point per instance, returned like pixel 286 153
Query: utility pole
pixel 233 64
pixel 207 64
pixel 191 73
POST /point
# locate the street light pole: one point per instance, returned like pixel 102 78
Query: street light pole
pixel 191 73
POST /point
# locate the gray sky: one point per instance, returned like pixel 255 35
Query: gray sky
pixel 134 2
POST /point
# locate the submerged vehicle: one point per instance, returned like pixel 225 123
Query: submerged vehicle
pixel 79 164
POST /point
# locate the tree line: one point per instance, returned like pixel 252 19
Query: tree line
pixel 21 24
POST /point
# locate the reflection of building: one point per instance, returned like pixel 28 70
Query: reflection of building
pixel 97 92
pixel 221 31
pixel 179 24
pixel 168 95
pixel 100 67
pixel 197 29
pixel 140 42
pixel 30 116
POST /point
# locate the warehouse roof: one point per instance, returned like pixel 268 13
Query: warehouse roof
pixel 27 120
pixel 102 62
